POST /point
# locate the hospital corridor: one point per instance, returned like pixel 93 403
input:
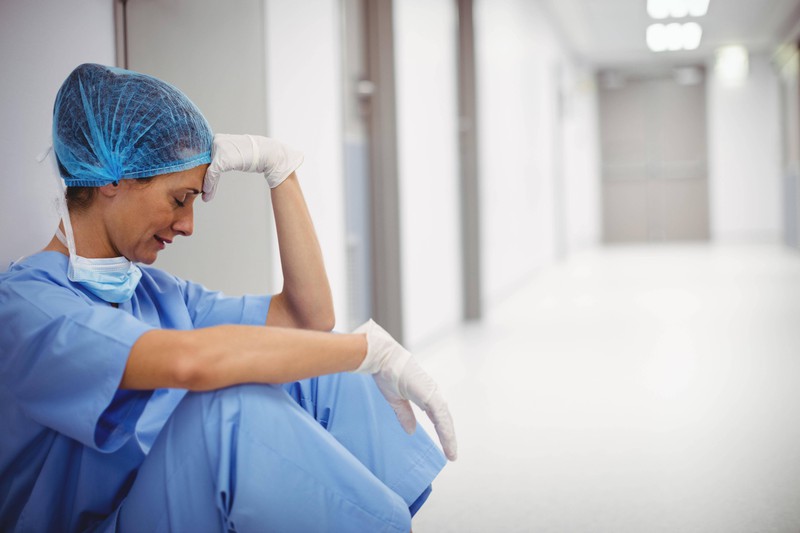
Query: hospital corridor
pixel 629 389
pixel 242 241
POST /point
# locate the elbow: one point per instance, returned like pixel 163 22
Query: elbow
pixel 185 372
pixel 316 316
pixel 322 321
pixel 328 322
pixel 190 368
pixel 325 318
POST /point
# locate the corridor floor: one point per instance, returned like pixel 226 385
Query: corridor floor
pixel 628 389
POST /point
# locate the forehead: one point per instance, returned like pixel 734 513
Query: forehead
pixel 191 178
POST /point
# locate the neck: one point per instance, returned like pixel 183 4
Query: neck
pixel 91 238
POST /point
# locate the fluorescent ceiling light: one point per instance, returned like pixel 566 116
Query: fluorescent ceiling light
pixel 674 36
pixel 678 9
pixel 661 9
pixel 691 32
pixel 658 9
pixel 657 37
pixel 731 65
pixel 697 8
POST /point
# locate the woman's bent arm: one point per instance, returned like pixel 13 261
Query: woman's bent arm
pixel 221 356
pixel 305 301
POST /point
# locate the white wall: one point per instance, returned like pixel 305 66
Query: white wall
pixel 745 155
pixel 304 109
pixel 581 160
pixel 427 115
pixel 223 72
pixel 40 47
pixel 519 62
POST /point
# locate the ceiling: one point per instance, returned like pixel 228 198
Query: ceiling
pixel 611 33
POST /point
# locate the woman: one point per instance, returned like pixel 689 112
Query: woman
pixel 98 351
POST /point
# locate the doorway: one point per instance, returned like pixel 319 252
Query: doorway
pixel 654 156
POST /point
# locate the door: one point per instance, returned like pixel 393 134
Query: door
pixel 654 153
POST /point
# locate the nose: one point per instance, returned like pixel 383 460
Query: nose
pixel 184 224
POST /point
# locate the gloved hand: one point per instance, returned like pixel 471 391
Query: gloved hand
pixel 400 379
pixel 249 153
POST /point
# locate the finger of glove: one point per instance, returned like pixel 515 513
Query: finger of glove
pixel 442 420
pixel 228 152
pixel 424 392
pixel 416 385
pixel 210 182
pixel 405 414
pixel 400 406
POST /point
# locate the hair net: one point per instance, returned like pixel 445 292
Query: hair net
pixel 111 124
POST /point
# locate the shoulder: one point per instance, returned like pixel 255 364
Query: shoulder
pixel 158 277
pixel 39 278
pixel 160 283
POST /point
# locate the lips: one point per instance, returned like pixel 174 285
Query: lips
pixel 161 241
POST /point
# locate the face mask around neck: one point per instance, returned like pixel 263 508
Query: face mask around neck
pixel 113 280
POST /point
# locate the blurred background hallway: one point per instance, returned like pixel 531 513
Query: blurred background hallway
pixel 629 389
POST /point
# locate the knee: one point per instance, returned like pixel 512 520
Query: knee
pixel 244 401
pixel 231 406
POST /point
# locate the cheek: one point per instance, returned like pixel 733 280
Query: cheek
pixel 147 222
pixel 159 220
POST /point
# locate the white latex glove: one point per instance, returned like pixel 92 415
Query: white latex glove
pixel 249 153
pixel 400 379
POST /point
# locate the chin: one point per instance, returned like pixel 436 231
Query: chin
pixel 145 259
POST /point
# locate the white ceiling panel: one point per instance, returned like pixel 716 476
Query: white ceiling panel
pixel 611 33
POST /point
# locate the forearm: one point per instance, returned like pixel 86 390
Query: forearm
pixel 306 291
pixel 221 356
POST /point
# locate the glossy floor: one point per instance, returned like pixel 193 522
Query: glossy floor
pixel 629 389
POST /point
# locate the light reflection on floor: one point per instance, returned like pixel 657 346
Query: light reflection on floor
pixel 630 389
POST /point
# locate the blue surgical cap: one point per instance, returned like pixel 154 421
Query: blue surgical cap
pixel 111 124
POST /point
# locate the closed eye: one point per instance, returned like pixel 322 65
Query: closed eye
pixel 180 201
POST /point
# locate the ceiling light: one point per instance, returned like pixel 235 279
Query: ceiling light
pixel 657 37
pixel 678 9
pixel 658 9
pixel 697 8
pixel 731 65
pixel 674 36
pixel 691 32
pixel 661 9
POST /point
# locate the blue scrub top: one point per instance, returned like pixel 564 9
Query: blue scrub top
pixel 71 440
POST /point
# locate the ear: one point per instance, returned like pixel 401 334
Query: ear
pixel 110 190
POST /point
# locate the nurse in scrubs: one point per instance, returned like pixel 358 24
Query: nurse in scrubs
pixel 133 400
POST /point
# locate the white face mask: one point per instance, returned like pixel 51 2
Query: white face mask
pixel 113 280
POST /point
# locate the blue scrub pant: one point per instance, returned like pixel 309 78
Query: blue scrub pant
pixel 325 454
